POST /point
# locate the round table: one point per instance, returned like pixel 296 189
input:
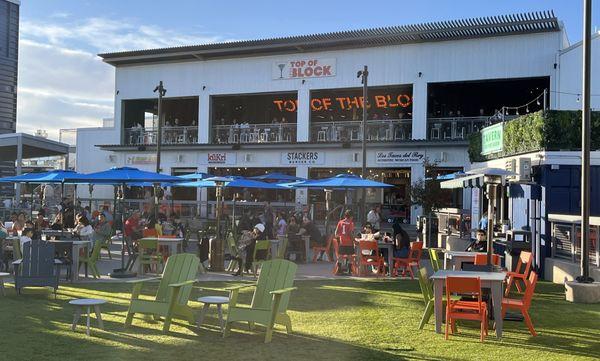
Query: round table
pixel 212 300
pixel 2 275
pixel 88 303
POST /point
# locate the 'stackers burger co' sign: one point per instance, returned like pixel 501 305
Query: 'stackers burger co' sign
pixel 304 68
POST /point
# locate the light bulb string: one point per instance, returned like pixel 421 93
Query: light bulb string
pixel 526 105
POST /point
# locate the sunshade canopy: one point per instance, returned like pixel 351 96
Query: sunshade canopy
pixel 195 176
pixel 122 175
pixel 232 182
pixel 341 181
pixel 279 177
pixel 53 176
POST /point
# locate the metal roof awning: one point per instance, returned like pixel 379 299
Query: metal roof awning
pixel 31 147
pixel 470 181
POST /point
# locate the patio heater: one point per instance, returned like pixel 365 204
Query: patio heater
pixel 216 247
pixel 161 92
pixel 492 183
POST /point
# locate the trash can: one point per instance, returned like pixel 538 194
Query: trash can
pixel 203 246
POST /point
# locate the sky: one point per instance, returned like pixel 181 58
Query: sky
pixel 64 84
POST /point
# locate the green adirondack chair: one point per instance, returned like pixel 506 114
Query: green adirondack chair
pixel 434 258
pixel 427 291
pixel 173 292
pixel 264 247
pixel 92 258
pixel 283 243
pixel 233 251
pixel 270 300
pixel 106 243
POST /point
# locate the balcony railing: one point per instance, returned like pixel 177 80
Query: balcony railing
pixel 254 133
pixel 457 128
pixel 170 135
pixel 347 131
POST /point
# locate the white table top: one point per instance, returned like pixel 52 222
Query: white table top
pixel 163 239
pixel 4 274
pixel 87 302
pixel 214 299
pixel 75 242
pixel 462 253
pixel 484 276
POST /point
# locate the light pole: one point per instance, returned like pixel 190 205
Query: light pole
pixel 585 143
pixel 216 247
pixel 364 75
pixel 161 92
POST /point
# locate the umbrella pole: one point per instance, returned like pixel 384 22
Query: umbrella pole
pixel 122 272
pixel 491 192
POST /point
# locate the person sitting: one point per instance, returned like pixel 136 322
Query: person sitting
pixel 102 229
pixel 26 236
pixel 19 223
pixel 480 243
pixel 132 226
pixel 368 235
pixel 344 231
pixel 401 245
pixel 153 224
pixel 40 221
pixel 57 222
pixel 83 228
pixel 245 247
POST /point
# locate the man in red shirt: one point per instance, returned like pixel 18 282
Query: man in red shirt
pixel 345 233
pixel 132 226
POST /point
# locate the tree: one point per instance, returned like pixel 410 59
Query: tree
pixel 427 192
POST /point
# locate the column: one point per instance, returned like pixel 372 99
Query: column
pixel 419 108
pixel 204 130
pixel 303 126
pixel 19 165
pixel 202 195
pixel 417 172
pixel 302 193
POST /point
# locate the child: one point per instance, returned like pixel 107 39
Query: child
pixel 344 232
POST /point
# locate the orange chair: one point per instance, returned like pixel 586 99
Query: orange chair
pixel 481 259
pixel 517 276
pixel 414 259
pixel 340 257
pixel 368 255
pixel 475 310
pixel 149 232
pixel 165 250
pixel 326 250
pixel 524 303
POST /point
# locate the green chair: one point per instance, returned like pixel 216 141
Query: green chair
pixel 283 243
pixel 149 254
pixel 262 253
pixel 105 244
pixel 173 293
pixel 428 296
pixel 434 258
pixel 270 300
pixel 16 245
pixel 91 259
pixel 233 251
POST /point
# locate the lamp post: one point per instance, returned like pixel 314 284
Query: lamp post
pixel 216 247
pixel 161 92
pixel 585 143
pixel 364 75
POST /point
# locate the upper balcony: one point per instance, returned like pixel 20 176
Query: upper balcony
pixel 388 130
pixel 169 135
pixel 254 133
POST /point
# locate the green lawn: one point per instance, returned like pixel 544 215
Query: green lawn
pixel 333 320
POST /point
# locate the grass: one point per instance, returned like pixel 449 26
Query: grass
pixel 335 320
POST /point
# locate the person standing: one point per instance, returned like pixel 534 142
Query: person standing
pixel 102 230
pixel 281 225
pixel 268 214
pixel 374 217
pixel 245 247
pixel 344 231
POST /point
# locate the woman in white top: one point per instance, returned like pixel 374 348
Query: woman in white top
pixel 83 228
pixel 281 225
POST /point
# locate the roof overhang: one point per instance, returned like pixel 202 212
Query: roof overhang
pixel 32 146
pixel 514 24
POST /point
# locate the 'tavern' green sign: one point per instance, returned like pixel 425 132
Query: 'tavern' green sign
pixel 492 140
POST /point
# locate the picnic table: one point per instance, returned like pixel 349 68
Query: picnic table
pixel 490 280
pixel 173 244
pixel 458 258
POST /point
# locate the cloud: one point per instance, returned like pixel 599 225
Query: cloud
pixel 63 83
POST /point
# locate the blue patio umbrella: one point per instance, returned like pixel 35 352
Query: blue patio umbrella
pixel 53 176
pixel 278 177
pixel 340 181
pixel 123 175
pixel 451 175
pixel 195 176
pixel 232 182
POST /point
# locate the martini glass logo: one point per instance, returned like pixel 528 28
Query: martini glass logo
pixel 281 66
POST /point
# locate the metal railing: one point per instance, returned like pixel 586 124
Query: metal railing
pixel 254 133
pixel 170 135
pixel 566 242
pixel 347 131
pixel 457 128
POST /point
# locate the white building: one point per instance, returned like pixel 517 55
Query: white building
pixel 430 86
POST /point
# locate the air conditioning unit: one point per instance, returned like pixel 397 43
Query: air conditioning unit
pixel 180 158
pixel 247 158
pixel 524 169
pixel 112 158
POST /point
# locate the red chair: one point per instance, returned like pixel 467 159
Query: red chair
pixel 368 255
pixel 326 250
pixel 149 232
pixel 524 303
pixel 481 259
pixel 520 274
pixel 341 257
pixel 414 259
pixel 475 310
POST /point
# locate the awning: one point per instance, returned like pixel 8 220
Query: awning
pixel 470 181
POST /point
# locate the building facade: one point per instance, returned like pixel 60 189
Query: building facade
pixel 9 50
pixel 294 105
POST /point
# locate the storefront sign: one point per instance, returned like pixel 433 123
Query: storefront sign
pixel 308 157
pixel 492 139
pixel 393 157
pixel 304 68
pixel 221 158
pixel 382 100
pixel 140 159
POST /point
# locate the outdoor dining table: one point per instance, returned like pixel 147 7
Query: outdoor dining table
pixel 173 244
pixel 76 246
pixel 458 258
pixel 381 245
pixel 490 280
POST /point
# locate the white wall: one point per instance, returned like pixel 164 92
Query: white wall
pixel 570 76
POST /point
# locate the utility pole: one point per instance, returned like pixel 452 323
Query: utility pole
pixel 365 76
pixel 157 189
pixel 585 143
